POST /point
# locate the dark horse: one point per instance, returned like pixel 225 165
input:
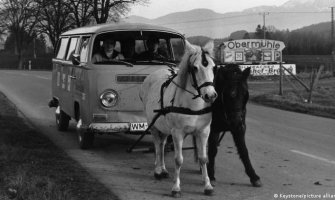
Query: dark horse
pixel 228 114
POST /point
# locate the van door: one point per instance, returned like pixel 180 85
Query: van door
pixel 68 77
pixel 59 72
pixel 81 82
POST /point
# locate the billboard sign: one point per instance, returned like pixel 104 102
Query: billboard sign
pixel 269 69
pixel 252 50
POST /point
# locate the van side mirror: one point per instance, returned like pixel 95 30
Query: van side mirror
pixel 75 59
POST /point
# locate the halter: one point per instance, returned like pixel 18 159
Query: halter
pixel 195 85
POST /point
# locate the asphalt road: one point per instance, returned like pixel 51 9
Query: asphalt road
pixel 294 154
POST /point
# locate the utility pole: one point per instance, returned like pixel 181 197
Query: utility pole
pixel 332 30
pixel 264 13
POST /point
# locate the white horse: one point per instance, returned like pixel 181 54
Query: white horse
pixel 188 115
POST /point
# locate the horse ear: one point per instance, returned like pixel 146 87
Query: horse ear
pixel 209 47
pixel 246 73
pixel 189 47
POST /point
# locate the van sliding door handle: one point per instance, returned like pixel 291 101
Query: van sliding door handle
pixel 73 77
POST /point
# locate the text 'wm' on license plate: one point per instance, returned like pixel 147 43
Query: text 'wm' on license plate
pixel 142 126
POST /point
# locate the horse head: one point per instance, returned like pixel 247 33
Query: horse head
pixel 232 88
pixel 199 64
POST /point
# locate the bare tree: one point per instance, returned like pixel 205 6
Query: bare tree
pixel 104 10
pixel 81 11
pixel 20 18
pixel 55 18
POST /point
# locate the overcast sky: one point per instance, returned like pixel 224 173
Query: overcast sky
pixel 158 8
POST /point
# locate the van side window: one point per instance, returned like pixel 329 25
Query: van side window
pixel 62 48
pixel 72 47
pixel 83 50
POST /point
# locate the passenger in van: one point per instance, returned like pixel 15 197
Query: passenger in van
pixel 152 52
pixel 107 52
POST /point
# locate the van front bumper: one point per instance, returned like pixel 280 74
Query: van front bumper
pixel 115 122
pixel 131 128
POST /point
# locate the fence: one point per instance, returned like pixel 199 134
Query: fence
pixel 306 63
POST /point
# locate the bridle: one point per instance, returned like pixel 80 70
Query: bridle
pixel 191 70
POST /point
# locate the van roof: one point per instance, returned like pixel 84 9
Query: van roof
pixel 119 27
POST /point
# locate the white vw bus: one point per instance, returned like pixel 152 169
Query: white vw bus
pixel 102 96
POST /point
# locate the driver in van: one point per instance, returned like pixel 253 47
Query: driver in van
pixel 107 52
pixel 152 52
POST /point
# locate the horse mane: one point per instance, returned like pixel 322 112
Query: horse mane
pixel 184 65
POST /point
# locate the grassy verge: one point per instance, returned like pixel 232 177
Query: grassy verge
pixel 265 92
pixel 33 168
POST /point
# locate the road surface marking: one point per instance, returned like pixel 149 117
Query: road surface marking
pixel 313 156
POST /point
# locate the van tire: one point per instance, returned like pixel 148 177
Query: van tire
pixel 85 137
pixel 62 121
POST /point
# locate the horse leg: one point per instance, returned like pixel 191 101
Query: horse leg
pixel 213 141
pixel 202 139
pixel 159 141
pixel 239 139
pixel 178 138
pixel 165 173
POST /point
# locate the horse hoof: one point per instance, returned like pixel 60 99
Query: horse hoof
pixel 209 192
pixel 176 194
pixel 161 175
pixel 257 183
pixel 213 183
pixel 165 174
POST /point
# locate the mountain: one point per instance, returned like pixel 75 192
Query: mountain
pixel 309 4
pixel 291 15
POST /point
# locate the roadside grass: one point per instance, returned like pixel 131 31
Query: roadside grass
pixel 33 168
pixel 266 92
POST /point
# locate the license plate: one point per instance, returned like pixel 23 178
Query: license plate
pixel 141 126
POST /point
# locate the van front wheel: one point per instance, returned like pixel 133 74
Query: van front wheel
pixel 62 120
pixel 85 137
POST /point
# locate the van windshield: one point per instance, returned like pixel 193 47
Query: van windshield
pixel 138 47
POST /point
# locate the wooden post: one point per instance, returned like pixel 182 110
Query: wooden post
pixel 280 79
pixel 314 81
pixel 311 86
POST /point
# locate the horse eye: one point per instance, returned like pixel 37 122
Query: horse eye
pixel 195 69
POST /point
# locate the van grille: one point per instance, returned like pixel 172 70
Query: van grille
pixel 130 78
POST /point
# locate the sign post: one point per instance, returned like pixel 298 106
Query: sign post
pixel 280 79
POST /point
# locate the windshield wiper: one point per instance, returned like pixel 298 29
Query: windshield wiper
pixel 117 62
pixel 158 62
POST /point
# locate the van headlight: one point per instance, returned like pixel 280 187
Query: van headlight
pixel 109 98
